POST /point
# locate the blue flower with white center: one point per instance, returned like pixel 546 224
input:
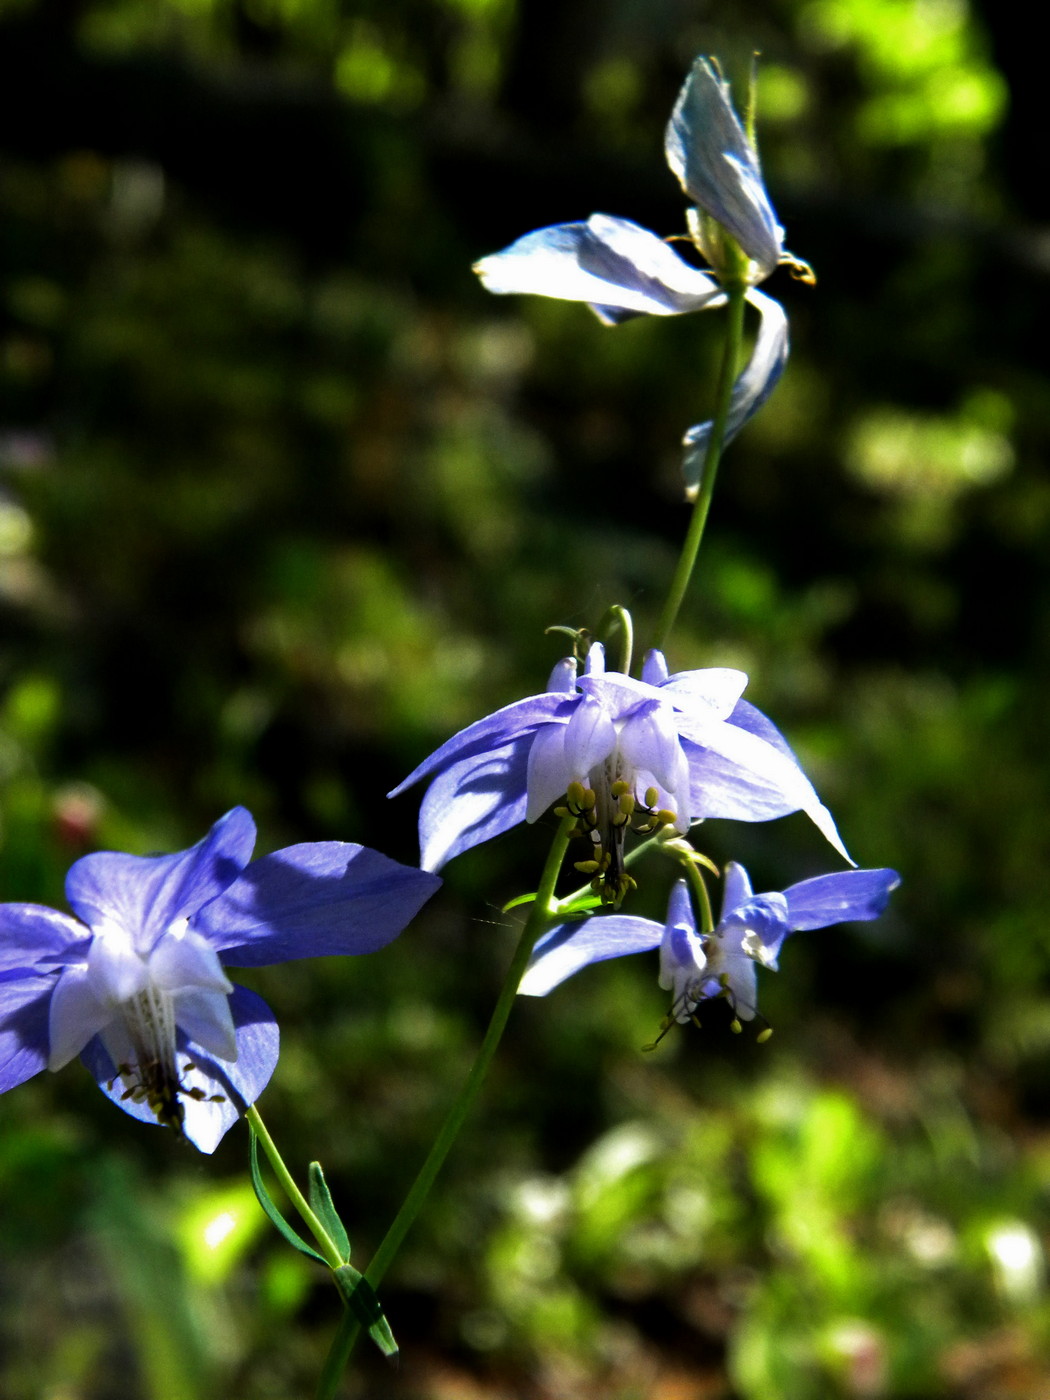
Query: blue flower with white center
pixel 134 984
pixel 622 270
pixel 695 967
pixel 623 753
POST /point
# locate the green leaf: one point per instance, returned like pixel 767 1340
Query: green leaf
pixel 323 1207
pixel 361 1300
pixel 264 1199
pixel 520 899
pixel 580 906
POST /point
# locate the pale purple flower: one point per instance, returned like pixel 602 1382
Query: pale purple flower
pixel 623 270
pixel 694 966
pixel 134 984
pixel 663 750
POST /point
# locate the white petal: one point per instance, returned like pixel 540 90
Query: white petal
pixel 77 1015
pixel 548 772
pixel 185 960
pixel 117 972
pixel 709 693
pixel 590 737
pixel 751 390
pixel 608 262
pixel 205 1017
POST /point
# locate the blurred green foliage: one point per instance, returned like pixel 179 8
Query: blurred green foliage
pixel 285 500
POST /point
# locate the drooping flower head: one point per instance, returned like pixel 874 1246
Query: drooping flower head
pixel 623 753
pixel 134 984
pixel 696 967
pixel 717 166
pixel 623 270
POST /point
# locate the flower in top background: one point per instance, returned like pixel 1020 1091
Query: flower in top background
pixel 622 270
pixel 134 984
pixel 665 749
pixel 695 967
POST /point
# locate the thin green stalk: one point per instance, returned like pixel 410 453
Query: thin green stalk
pixel 620 617
pixel 699 885
pixel 691 546
pixel 288 1186
pixel 540 915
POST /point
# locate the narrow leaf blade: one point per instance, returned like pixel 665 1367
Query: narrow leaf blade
pixel 275 1216
pixel 360 1298
pixel 323 1206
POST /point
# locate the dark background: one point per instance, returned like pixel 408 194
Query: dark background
pixel 285 499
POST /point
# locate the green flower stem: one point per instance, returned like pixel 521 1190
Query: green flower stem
pixel 288 1186
pixel 540 915
pixel 618 616
pixel 699 886
pixel 691 547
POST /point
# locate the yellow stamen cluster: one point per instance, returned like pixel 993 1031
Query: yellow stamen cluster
pixel 619 813
pixel 158 1085
pixel 735 1025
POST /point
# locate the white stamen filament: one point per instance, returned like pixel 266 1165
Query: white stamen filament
pixel 149 1018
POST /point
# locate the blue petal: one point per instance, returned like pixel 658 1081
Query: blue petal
pixel 314 900
pixel 736 889
pixel 654 668
pixel 32 934
pixel 25 1000
pixel 146 894
pixel 752 388
pixel 682 956
pixel 833 899
pixel 741 777
pixel 568 947
pixel 514 721
pixel 472 800
pixel 717 167
pixel 239 1082
pixel 763 914
pixel 563 678
pixel 680 906
pixel 745 716
pixel 609 262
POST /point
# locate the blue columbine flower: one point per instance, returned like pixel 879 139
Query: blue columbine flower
pixel 623 270
pixel 135 984
pixel 695 966
pixel 660 751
